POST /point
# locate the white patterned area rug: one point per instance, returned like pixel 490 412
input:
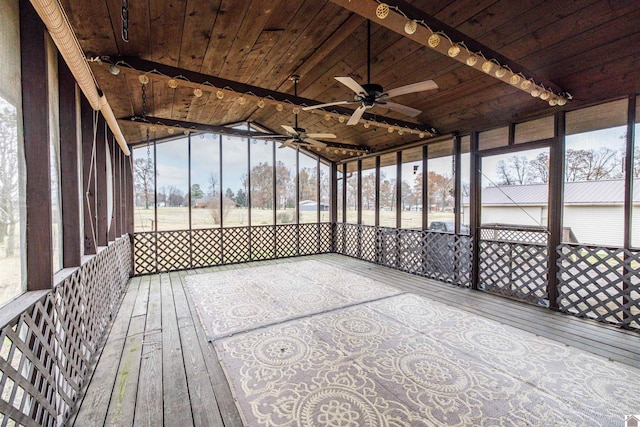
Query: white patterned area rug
pixel 404 360
pixel 234 301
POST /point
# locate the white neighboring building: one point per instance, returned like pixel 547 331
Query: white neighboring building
pixel 593 210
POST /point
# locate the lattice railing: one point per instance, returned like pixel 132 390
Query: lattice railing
pixel 47 350
pixel 514 262
pixel 441 256
pixel 600 283
pixel 183 249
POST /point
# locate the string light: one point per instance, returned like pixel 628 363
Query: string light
pixel 327 117
pixel 489 66
pixel 296 110
pixel 143 79
pixel 197 92
pixel 219 94
pixel 172 83
pixel 261 103
pixel 341 119
pixel 366 125
pixel 390 129
pixel 242 100
pixel 279 107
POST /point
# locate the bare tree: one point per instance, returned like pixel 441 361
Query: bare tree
pixel 143 179
pixel 540 168
pixel 9 215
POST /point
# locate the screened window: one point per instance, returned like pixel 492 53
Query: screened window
pixel 515 189
pixel 493 138
pixel 465 184
pixel 143 187
pixel 352 193
pixel 54 155
pixel 369 191
pixel 411 213
pixel 308 204
pixel 286 167
pixel 325 190
pixel 262 182
pixel 440 200
pixel 388 193
pixel 235 182
pixel 534 130
pixel 594 175
pixel 205 181
pixel 12 168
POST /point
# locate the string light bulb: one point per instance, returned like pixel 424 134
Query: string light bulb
pixel 114 70
pixel 170 131
pixel 500 72
pixel 390 129
pixel 562 101
pixel 261 103
pixel 514 80
pixel 366 125
pixel 526 84
pixel 400 132
pixel 172 83
pixel 197 92
pixel 535 92
pixel 434 40
pixel 421 135
pixel 143 78
pixel 411 26
pixel 382 11
pixel 327 117
pixel 553 101
pixel 242 100
pixel 544 95
pixel 341 119
pixel 454 51
pixel 296 110
pixel 219 94
pixel 472 60
pixel 487 66
pixel 279 107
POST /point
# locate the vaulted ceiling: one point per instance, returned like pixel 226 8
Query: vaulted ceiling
pixel 588 48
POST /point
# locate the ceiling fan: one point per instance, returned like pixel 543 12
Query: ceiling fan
pixel 370 94
pixel 297 136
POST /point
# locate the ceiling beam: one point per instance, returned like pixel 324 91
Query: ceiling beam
pixel 396 22
pixel 205 82
pixel 183 126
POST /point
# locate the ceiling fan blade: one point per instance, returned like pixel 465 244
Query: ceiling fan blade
pixel 352 84
pixel 415 87
pixel 315 142
pixel 407 111
pixel 268 138
pixel 287 143
pixel 328 104
pixel 321 135
pixel 355 117
pixel 289 129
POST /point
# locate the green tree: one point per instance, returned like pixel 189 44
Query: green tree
pixel 196 193
pixel 241 198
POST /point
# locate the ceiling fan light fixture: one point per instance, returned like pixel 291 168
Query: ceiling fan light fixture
pixel 514 80
pixel 472 60
pixel 454 51
pixel 501 72
pixel 487 66
pixel 382 11
pixel 219 94
pixel 411 26
pixel 434 40
pixel 143 79
pixel 172 83
pixel 197 92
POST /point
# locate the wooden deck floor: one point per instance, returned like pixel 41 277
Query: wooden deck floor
pixel 158 369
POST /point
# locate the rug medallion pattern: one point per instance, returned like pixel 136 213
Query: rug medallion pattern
pixel 403 360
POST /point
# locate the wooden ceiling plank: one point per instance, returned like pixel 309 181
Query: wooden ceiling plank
pixel 269 70
pixel 460 11
pixel 332 43
pixel 92 25
pixel 226 28
pixel 256 18
pixel 167 17
pixel 199 22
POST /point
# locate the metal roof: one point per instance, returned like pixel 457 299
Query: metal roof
pixel 609 192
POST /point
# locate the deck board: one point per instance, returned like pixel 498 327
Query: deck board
pixel 158 368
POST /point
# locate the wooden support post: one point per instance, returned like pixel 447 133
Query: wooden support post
pixel 556 197
pixel 102 223
pixel 129 198
pixel 88 177
pixel 111 217
pixel 475 209
pixel 628 207
pixel 457 182
pixel 425 187
pixel 35 116
pixel 69 152
pixel 398 190
pixel 376 202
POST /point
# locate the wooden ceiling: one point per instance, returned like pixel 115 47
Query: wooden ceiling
pixel 588 48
